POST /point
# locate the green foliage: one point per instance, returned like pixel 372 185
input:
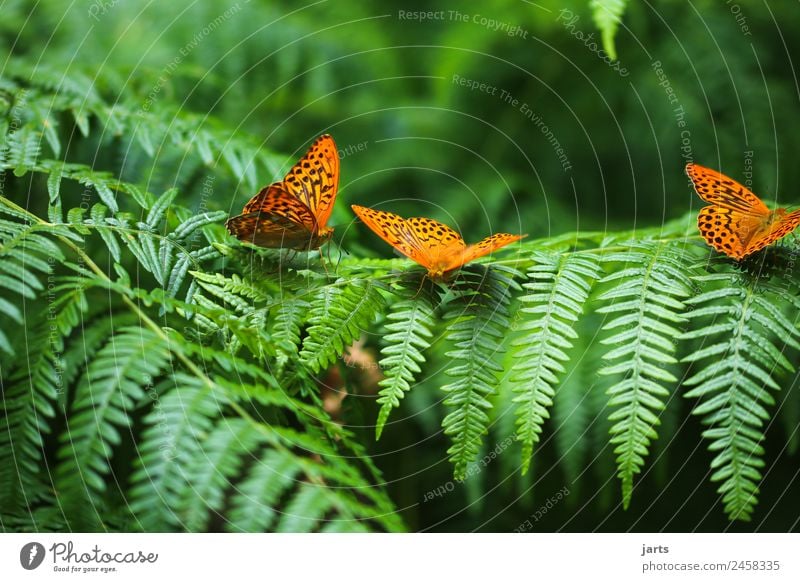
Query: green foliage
pixel 478 318
pixel 557 290
pixel 409 335
pixel 111 387
pixel 339 314
pixel 157 375
pixel 645 303
pixel 744 335
pixel 145 413
pixel 607 15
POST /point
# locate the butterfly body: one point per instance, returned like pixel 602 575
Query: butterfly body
pixel 293 213
pixel 737 222
pixel 435 246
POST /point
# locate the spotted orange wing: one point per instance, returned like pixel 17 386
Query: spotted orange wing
pixel 294 213
pixel 785 224
pixel 737 223
pixel 314 180
pixel 486 246
pixel 274 218
pixel 423 240
pixel 720 190
pixel 430 243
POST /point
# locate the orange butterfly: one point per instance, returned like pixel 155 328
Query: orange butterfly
pixel 293 214
pixel 737 223
pixel 433 245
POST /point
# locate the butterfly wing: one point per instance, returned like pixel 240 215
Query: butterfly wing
pixel 314 180
pixel 729 231
pixel 275 200
pixel 420 239
pixel 439 241
pixel 484 247
pixel 270 231
pixel 274 218
pixel 779 229
pixel 720 190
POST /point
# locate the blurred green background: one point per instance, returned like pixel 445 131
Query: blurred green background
pixel 556 140
pixel 371 75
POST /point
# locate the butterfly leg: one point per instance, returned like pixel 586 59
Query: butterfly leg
pixel 421 285
pixel 324 260
pixel 340 253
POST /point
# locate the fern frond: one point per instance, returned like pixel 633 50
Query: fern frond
pixel 338 316
pixel 254 507
pixel 607 15
pixel 285 331
pixel 478 318
pixel 580 405
pixel 22 149
pixel 222 453
pixel 24 257
pixel 175 430
pixel 31 396
pixel 408 335
pixel 110 389
pixel 234 290
pixel 647 305
pixel 557 290
pixel 744 339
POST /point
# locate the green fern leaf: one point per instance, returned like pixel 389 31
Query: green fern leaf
pixel 647 304
pixel 254 508
pixel 408 336
pixel 338 316
pixel 558 289
pixel 209 474
pixel 478 319
pixel 285 330
pixel 175 430
pixel 23 149
pixel 98 220
pixel 101 182
pixel 739 327
pixel 607 15
pixel 159 209
pixel 30 399
pixel 104 400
